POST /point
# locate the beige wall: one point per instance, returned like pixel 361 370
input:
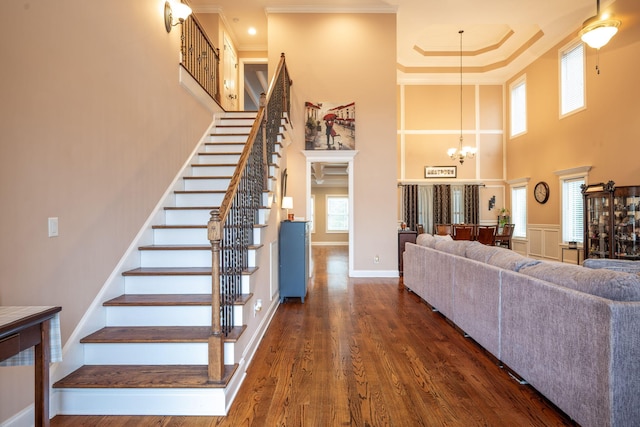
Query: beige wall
pixel 94 126
pixel 320 51
pixel 606 135
pixel 430 125
pixel 320 218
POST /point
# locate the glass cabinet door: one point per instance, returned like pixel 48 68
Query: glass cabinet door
pixel 598 226
pixel 626 220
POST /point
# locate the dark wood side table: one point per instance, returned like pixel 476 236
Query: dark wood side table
pixel 22 328
pixel 404 236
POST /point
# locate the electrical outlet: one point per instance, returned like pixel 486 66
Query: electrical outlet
pixel 376 259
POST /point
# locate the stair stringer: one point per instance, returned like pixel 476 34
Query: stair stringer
pixel 165 401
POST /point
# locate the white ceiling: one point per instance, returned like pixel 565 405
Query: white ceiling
pixel 500 36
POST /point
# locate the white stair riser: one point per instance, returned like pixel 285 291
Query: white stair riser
pixel 180 236
pixel 214 158
pixel 226 130
pixel 199 199
pixel 213 170
pixel 228 138
pixel 237 121
pixel 156 401
pixel 204 184
pixel 176 284
pixel 175 258
pixel 263 216
pixel 222 147
pixel 187 217
pixel 165 315
pixel 152 353
pixel 167 284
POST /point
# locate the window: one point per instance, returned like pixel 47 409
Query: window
pixel 572 209
pixel 518 106
pixel 519 211
pixel 572 80
pixel 337 214
pixel 457 210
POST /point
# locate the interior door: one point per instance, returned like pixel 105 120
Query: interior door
pixel 230 87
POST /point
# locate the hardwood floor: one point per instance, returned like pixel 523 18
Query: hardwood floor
pixel 364 352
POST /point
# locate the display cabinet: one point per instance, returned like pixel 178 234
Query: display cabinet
pixel 626 223
pixel 597 220
pixel 612 221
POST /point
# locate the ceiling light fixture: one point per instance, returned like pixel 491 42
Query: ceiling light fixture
pixel 252 31
pixel 177 11
pixel 598 30
pixel 461 153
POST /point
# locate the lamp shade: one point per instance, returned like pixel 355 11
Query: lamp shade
pixel 180 11
pixel 597 33
pixel 287 203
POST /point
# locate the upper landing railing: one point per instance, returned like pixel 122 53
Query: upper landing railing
pixel 200 58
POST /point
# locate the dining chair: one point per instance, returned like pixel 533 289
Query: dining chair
pixel 504 237
pixel 487 234
pixel 462 232
pixel 443 229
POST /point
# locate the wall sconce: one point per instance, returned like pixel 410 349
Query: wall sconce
pixel 287 203
pixel 492 202
pixel 179 12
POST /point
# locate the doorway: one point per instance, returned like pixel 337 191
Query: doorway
pixel 332 168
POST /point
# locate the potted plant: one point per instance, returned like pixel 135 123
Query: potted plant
pixel 503 217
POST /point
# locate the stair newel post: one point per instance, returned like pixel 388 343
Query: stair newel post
pixel 265 154
pixel 216 339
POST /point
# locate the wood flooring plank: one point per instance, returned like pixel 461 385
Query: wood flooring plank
pixel 365 352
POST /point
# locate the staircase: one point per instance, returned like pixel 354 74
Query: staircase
pixel 152 355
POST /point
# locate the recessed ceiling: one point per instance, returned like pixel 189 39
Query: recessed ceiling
pixel 500 36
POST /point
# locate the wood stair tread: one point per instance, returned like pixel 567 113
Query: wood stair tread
pixel 186 247
pixel 177 271
pixel 143 376
pixel 157 334
pixel 170 227
pixel 168 300
pixel 200 191
pixel 206 177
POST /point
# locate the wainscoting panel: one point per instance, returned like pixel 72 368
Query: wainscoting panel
pixel 544 241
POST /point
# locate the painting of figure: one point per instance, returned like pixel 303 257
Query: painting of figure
pixel 330 126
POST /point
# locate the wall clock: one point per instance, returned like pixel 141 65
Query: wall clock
pixel 541 192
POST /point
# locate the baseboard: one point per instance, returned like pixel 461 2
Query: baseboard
pixel 24 418
pixel 374 273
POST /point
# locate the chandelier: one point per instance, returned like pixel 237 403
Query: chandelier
pixel 461 153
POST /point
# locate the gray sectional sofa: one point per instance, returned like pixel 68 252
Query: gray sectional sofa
pixel 571 332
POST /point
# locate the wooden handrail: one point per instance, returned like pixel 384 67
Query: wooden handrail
pixel 243 177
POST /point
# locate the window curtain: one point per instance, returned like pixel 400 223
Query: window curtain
pixel 471 204
pixel 410 206
pixel 441 205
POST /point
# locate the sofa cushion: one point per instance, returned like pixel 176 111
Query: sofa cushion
pixel 479 252
pixel 614 285
pixel 426 239
pixel 510 260
pixel 613 264
pixel 455 247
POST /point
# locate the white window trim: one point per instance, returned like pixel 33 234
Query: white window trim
pixel 569 46
pixel 565 175
pixel 520 80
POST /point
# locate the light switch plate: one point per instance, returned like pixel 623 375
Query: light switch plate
pixel 53 227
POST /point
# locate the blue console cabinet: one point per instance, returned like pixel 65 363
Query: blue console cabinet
pixel 293 253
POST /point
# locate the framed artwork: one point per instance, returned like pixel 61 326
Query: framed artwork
pixel 330 126
pixel 440 171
